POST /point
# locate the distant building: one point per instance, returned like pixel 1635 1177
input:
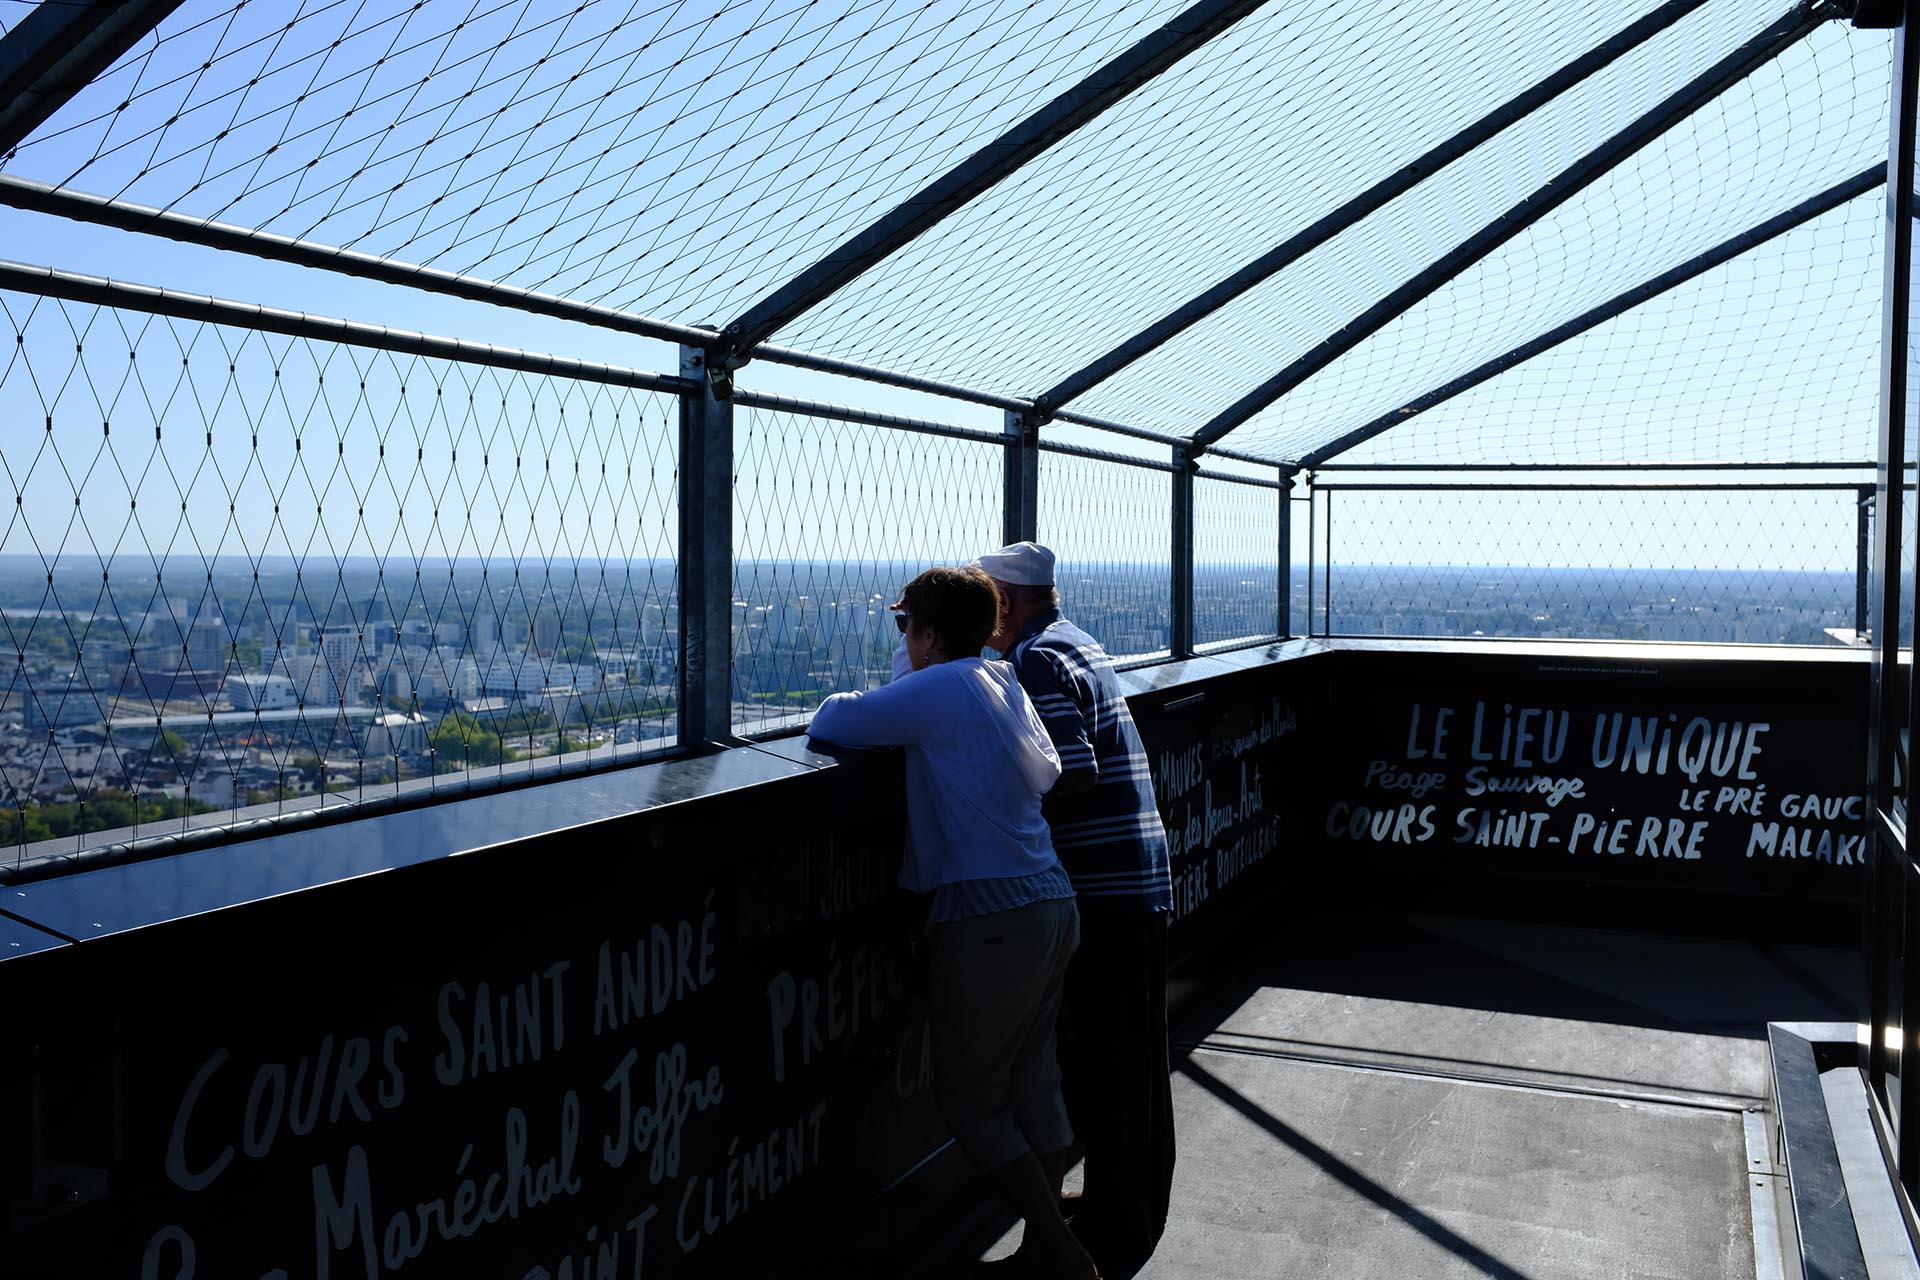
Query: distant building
pixel 342 654
pixel 523 680
pixel 561 701
pixel 180 684
pixel 105 659
pixel 397 733
pixel 263 693
pixel 484 709
pixel 546 632
pixel 63 704
pixel 312 680
pixel 216 785
pixel 208 645
pixel 463 679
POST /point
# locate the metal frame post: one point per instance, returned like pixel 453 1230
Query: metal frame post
pixel 1020 509
pixel 1285 617
pixel 1884 714
pixel 1326 569
pixel 706 556
pixel 1180 639
pixel 1863 566
pixel 1313 551
pixel 1889 956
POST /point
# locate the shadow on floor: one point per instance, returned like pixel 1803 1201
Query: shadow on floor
pixel 1441 1096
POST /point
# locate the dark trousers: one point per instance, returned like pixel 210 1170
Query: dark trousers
pixel 1114 1073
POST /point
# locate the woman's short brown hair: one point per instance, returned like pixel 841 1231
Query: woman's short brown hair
pixel 959 603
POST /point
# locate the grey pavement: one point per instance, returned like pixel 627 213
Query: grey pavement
pixel 1424 1097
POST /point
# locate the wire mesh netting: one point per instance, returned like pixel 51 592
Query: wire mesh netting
pixel 1773 357
pixel 1107 523
pixel 1727 565
pixel 244 572
pixel 831 520
pixel 676 159
pixel 1292 97
pixel 685 162
pixel 1236 581
pixel 1300 551
pixel 1740 160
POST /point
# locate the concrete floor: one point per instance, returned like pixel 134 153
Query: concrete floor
pixel 1445 1098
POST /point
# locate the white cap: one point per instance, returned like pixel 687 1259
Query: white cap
pixel 1024 564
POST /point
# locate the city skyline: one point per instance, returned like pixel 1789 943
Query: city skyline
pixel 178 713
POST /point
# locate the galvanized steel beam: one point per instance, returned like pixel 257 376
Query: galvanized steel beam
pixel 1180 560
pixel 1594 466
pixel 1892 1084
pixel 73 287
pixel 706 557
pixel 748 399
pixel 40 197
pixel 1286 553
pixel 1020 505
pixel 57 50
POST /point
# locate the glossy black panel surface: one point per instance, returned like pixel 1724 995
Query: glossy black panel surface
pixel 802 750
pixel 1169 675
pixel 18 939
pixel 98 903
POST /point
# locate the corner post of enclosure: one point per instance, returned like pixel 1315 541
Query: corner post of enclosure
pixel 706 552
pixel 1863 564
pixel 1020 509
pixel 1892 979
pixel 1186 461
pixel 1285 629
pixel 1313 550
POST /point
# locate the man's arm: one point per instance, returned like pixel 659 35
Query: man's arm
pixel 1060 699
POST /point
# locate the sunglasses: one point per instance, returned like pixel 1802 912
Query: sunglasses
pixel 903 620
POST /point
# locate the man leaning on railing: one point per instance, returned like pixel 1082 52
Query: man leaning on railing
pixel 1106 828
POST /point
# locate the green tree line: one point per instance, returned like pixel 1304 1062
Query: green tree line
pixel 102 811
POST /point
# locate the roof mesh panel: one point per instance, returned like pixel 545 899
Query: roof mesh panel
pixel 1275 124
pixel 675 159
pixel 683 161
pixel 1773 357
pixel 1729 167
